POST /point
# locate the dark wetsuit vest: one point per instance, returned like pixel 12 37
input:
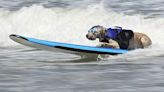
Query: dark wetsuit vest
pixel 122 36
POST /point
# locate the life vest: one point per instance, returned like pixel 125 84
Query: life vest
pixel 113 32
pixel 122 36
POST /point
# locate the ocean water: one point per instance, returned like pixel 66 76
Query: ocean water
pixel 24 69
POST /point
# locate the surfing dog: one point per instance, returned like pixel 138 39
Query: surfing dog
pixel 118 38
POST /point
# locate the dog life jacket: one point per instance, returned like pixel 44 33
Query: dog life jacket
pixel 122 36
pixel 113 32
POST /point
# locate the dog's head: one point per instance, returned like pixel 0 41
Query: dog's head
pixel 96 32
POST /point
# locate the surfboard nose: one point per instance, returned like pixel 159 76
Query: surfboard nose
pixel 13 36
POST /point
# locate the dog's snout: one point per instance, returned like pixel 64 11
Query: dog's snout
pixel 90 37
pixel 87 35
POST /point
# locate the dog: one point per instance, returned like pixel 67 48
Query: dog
pixel 118 38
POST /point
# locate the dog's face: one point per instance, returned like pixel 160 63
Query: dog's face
pixel 95 32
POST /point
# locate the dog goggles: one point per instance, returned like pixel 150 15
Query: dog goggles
pixel 92 30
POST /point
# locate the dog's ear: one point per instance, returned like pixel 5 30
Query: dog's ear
pixel 101 37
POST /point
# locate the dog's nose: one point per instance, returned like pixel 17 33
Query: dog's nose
pixel 87 36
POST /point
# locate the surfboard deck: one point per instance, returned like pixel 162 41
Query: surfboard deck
pixel 64 47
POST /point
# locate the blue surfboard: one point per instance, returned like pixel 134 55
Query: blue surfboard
pixel 64 47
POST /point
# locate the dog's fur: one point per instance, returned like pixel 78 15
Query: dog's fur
pixel 138 40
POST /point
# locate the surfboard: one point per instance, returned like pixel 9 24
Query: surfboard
pixel 64 47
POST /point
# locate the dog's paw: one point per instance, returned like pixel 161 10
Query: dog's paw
pixel 107 46
pixel 99 45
